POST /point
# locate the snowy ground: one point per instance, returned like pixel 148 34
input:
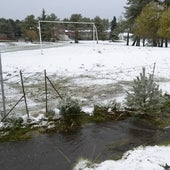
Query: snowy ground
pixel 148 158
pixel 95 74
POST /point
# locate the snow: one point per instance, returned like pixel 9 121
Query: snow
pixel 94 73
pixel 88 67
pixel 92 67
pixel 141 158
pixel 88 110
pixel 1 125
pixel 115 60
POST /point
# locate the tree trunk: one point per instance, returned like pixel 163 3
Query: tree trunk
pixel 138 41
pixel 154 42
pixel 134 42
pixel 162 42
pixel 166 42
pixel 143 42
pixel 76 36
pixel 127 38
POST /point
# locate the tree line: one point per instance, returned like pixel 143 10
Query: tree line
pixel 28 28
pixel 148 20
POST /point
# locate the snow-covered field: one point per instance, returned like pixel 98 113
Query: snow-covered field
pixel 94 74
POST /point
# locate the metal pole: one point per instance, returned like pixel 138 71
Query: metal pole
pixel 153 70
pixel 25 100
pixel 127 42
pixel 93 32
pixel 12 109
pixel 93 37
pixel 97 39
pixel 2 88
pixel 54 87
pixel 39 28
pixel 46 99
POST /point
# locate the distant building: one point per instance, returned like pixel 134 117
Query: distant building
pixel 4 37
pixel 123 36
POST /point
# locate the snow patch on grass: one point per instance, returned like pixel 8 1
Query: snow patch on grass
pixel 141 158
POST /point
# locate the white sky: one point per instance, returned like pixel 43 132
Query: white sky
pixel 19 9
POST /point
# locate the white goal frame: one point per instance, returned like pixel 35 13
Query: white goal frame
pixel 95 34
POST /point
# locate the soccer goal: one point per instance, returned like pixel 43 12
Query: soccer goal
pixel 54 31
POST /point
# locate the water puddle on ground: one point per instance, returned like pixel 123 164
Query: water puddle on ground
pixel 96 142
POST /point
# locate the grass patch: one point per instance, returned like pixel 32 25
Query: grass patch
pixel 165 143
pixel 16 134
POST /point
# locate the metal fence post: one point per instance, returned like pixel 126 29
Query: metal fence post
pixel 2 88
pixel 25 100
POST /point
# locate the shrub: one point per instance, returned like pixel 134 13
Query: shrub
pixel 15 121
pixel 70 110
pixel 114 106
pixel 145 97
pixel 50 114
pixel 100 110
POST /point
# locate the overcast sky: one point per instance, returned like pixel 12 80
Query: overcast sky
pixel 19 9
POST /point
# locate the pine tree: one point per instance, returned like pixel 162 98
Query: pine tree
pixel 113 34
pixel 75 27
pixel 145 97
pixel 133 9
pixel 30 28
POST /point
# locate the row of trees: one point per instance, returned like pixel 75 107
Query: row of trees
pixel 10 28
pixel 101 24
pixel 148 19
pixel 28 28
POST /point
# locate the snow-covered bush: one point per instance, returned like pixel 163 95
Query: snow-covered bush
pixel 145 97
pixel 114 106
pixel 50 114
pixel 103 109
pixel 70 110
pixel 14 121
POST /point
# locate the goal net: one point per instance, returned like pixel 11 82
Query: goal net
pixel 51 32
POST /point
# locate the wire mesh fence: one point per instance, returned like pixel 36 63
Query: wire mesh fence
pixel 26 93
pixel 41 98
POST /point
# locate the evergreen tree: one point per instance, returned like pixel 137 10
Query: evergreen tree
pixel 44 26
pixel 43 15
pixel 49 30
pixel 30 28
pixel 6 27
pixel 165 3
pixel 11 28
pixel 102 25
pixel 75 27
pixel 113 33
pixel 133 9
pixel 145 97
pixel 18 29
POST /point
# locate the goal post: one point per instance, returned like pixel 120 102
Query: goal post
pixel 95 34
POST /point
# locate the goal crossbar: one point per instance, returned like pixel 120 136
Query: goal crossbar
pixel 95 34
pixel 68 22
